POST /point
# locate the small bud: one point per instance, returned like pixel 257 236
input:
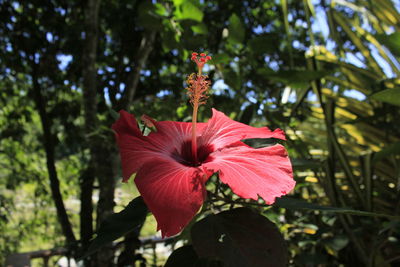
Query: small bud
pixel 148 121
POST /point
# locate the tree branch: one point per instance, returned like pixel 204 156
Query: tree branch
pixel 146 45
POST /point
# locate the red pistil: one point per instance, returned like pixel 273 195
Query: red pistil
pixel 197 91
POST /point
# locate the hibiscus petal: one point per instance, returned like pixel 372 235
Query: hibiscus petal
pixel 221 131
pixel 172 192
pixel 136 149
pixel 249 172
pixel 126 124
pixel 133 147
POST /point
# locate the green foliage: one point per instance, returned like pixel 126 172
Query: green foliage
pixel 391 96
pixel 119 224
pixel 239 237
pixel 391 41
pixel 236 31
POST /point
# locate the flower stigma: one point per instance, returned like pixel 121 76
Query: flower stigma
pixel 197 90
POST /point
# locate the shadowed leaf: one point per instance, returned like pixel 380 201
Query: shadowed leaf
pixel 296 204
pixel 119 224
pixel 391 96
pixel 241 238
pixel 236 29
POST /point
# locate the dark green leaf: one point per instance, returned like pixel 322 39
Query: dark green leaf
pixel 119 224
pixel 241 238
pixel 296 204
pixel 236 29
pixel 200 28
pixel 263 44
pixel 337 242
pixel 298 79
pixel 303 164
pixel 393 149
pixel 391 41
pixel 391 96
pixel 186 257
pixel 182 257
pixel 247 114
pixel 221 58
pixel 260 142
pixel 148 17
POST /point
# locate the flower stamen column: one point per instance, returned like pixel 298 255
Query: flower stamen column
pixel 197 91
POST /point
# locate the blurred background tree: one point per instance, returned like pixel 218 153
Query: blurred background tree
pixel 326 72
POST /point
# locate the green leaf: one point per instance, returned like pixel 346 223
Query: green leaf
pixel 260 142
pixel 263 44
pixel 119 224
pixel 393 149
pixel 296 204
pixel 235 29
pixel 391 96
pixel 239 238
pixel 200 28
pixel 186 257
pixel 337 242
pixel 298 79
pixel 221 58
pixel 178 2
pixel 188 10
pixel 148 18
pixel 114 114
pixel 304 164
pixel 391 41
pixel 182 257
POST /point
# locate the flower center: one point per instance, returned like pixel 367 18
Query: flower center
pixel 185 156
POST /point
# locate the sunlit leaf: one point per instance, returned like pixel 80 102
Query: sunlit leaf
pixel 188 10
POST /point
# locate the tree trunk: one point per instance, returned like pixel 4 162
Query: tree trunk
pixel 91 123
pixel 50 159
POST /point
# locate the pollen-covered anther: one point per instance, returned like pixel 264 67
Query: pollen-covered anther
pixel 197 89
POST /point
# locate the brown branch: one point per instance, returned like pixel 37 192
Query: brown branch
pixel 48 137
pixel 146 45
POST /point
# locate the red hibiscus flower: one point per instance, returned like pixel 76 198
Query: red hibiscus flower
pixel 173 163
